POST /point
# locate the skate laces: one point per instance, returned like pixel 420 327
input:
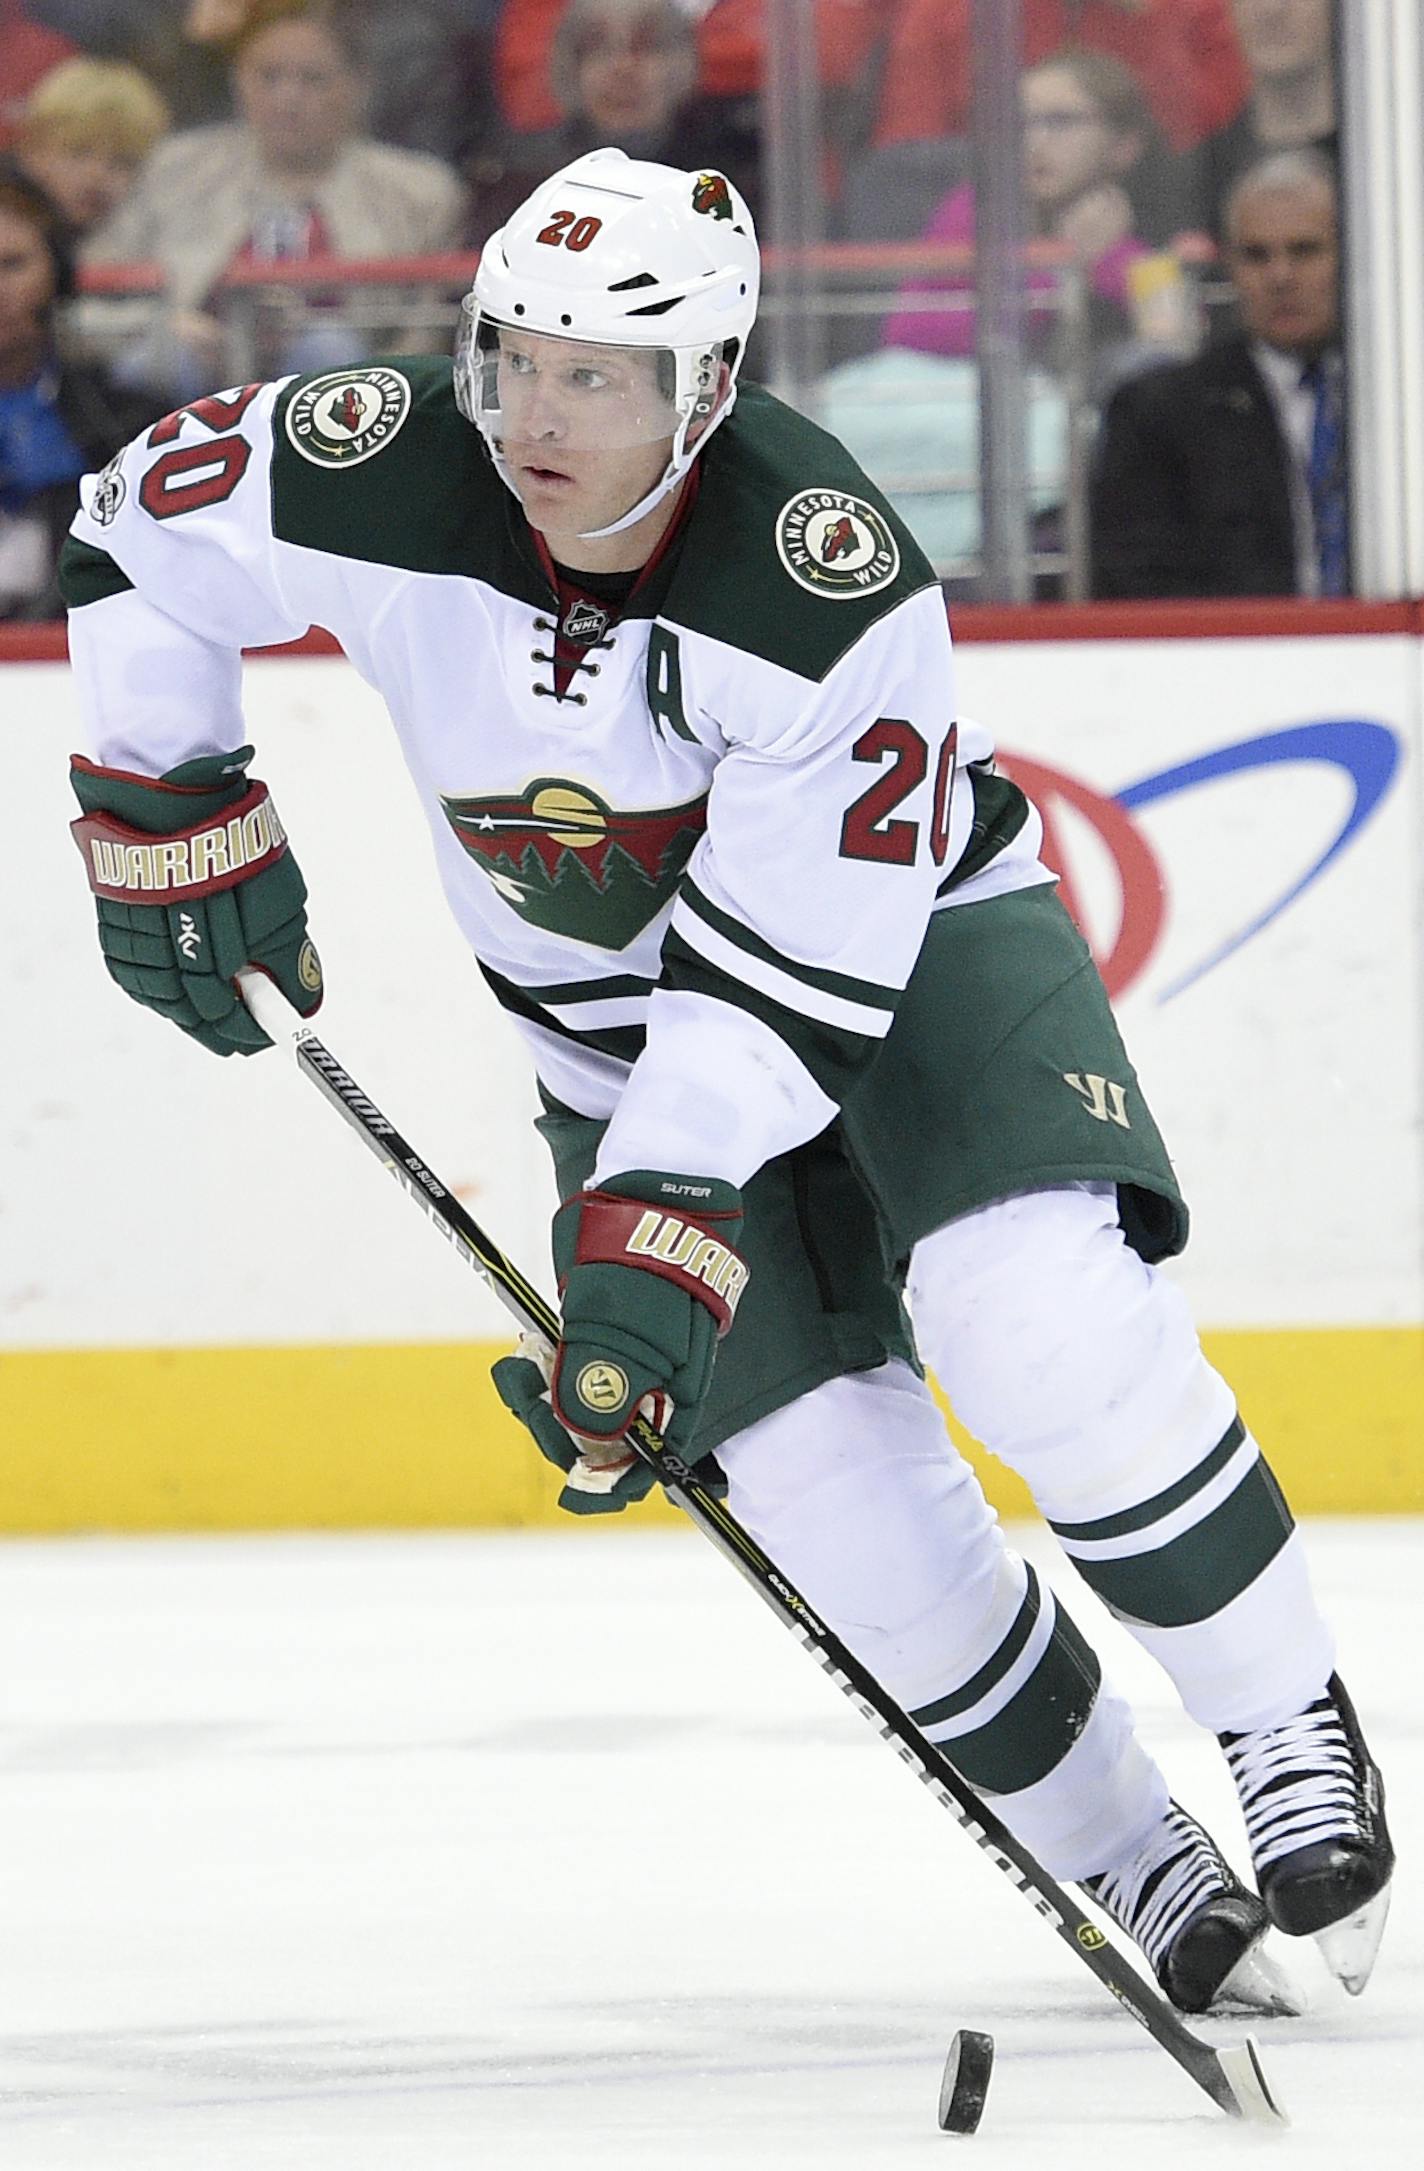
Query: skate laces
pixel 1298 1783
pixel 1158 1890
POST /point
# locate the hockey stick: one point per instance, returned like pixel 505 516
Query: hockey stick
pixel 1233 2077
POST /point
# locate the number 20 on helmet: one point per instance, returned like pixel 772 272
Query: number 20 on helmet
pixel 619 253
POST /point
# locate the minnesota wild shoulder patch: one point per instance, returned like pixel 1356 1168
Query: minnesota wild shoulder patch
pixel 348 416
pixel 836 545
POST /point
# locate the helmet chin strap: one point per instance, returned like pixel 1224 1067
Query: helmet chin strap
pixel 682 459
pixel 671 476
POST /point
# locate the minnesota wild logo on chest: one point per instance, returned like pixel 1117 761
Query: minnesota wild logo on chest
pixel 569 863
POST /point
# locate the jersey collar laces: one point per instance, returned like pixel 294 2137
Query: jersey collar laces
pixel 621 254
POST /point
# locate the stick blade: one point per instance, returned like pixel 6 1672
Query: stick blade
pixel 1252 2094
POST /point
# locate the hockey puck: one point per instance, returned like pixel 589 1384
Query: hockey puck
pixel 966 2081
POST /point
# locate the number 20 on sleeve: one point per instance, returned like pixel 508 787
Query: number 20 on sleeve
pixel 867 832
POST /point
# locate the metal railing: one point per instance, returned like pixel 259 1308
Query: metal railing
pixel 916 433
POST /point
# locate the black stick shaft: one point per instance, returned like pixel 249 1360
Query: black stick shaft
pixel 524 1302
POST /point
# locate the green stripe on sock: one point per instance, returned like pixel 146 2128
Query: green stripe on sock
pixel 993 1669
pixel 1161 1504
pixel 1039 1724
pixel 1200 1572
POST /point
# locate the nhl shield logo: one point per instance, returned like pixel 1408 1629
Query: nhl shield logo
pixel 836 545
pixel 584 622
pixel 349 416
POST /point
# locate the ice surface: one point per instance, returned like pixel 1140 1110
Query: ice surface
pixel 484 1851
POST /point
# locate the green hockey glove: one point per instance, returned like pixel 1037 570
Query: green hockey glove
pixel 601 1480
pixel 649 1282
pixel 193 881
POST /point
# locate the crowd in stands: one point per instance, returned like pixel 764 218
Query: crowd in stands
pixel 1171 148
pixel 292 174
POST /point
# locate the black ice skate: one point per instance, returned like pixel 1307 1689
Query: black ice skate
pixel 1313 1801
pixel 1196 1922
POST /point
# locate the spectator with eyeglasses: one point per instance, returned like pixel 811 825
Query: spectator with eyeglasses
pixel 1086 127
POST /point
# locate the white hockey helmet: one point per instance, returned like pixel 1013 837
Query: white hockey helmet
pixel 620 252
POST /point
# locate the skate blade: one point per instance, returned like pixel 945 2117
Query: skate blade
pixel 1349 1948
pixel 1259 1984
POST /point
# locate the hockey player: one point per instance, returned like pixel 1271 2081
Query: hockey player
pixel 810 1023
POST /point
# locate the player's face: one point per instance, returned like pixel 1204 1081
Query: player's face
pixel 585 430
pixel 1285 265
pixel 26 286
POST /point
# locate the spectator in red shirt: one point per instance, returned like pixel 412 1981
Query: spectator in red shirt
pixel 1183 52
pixel 731 44
pixel 27 52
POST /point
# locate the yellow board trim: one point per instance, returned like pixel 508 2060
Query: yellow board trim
pixel 414 1437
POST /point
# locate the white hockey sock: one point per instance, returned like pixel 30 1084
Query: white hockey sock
pixel 857 1492
pixel 1079 1366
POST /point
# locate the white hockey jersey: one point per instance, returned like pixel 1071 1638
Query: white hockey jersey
pixel 694 843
